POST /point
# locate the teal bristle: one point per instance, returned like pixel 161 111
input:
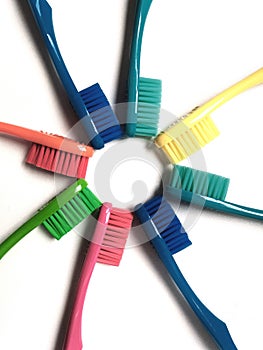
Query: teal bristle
pixel 149 105
pixel 199 182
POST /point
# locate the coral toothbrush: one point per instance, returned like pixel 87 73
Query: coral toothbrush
pixel 59 215
pixel 90 105
pixel 196 129
pixel 206 190
pixel 155 216
pixel 107 247
pixel 52 152
pixel 144 94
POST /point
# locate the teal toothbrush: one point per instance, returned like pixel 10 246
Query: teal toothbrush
pixel 206 190
pixel 144 94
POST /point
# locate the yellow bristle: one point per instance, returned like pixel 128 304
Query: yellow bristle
pixel 184 138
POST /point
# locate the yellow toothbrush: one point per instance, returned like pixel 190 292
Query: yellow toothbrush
pixel 196 129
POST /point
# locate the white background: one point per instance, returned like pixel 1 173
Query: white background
pixel 197 48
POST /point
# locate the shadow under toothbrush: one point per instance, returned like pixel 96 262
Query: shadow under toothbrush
pixel 195 323
pixel 122 82
pixel 26 14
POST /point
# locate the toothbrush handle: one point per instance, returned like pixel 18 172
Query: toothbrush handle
pixel 142 10
pixel 49 140
pixel 17 235
pixel 43 15
pixel 73 338
pixel 43 214
pixel 250 81
pixel 215 204
pixel 214 325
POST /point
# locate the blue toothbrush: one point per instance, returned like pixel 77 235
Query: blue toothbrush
pixel 163 227
pixel 90 105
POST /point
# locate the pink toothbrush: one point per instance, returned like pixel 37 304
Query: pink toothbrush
pixel 107 247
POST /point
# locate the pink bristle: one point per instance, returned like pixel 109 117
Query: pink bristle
pixel 50 158
pixel 115 238
pixel 31 156
pixel 41 155
pixel 57 161
pixel 73 165
pixel 82 167
pixel 66 163
pixel 61 162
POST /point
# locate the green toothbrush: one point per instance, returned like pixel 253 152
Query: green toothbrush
pixel 60 215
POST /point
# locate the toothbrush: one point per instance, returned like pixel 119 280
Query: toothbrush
pixel 144 94
pixel 52 152
pixel 155 216
pixel 196 129
pixel 206 190
pixel 106 247
pixel 59 215
pixel 90 105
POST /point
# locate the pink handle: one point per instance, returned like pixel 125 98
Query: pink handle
pixel 74 339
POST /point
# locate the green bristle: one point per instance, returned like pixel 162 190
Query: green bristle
pixel 72 213
pixel 199 182
pixel 149 104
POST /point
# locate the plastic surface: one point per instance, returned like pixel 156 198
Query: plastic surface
pixel 74 339
pixel 215 326
pixel 107 246
pixel 214 204
pixel 197 129
pixel 43 16
pixel 141 90
pixel 50 140
pixel 43 214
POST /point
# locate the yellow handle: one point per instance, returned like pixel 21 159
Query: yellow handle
pixel 250 81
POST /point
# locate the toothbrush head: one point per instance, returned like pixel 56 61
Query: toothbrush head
pixel 144 120
pixel 159 219
pixel 186 137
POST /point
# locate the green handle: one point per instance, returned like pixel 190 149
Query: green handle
pixel 43 214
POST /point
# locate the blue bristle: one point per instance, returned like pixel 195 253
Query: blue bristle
pixel 101 113
pixel 167 224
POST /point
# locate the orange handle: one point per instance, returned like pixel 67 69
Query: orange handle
pixel 53 141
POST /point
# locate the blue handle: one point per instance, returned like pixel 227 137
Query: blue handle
pixel 43 15
pixel 215 204
pixel 214 325
pixel 142 10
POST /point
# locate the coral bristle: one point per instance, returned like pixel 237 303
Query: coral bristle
pixel 57 161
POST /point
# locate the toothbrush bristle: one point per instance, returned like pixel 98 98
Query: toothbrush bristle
pixel 149 105
pixel 72 213
pixel 182 141
pixel 167 224
pixel 57 161
pixel 117 231
pixel 200 182
pixel 101 113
